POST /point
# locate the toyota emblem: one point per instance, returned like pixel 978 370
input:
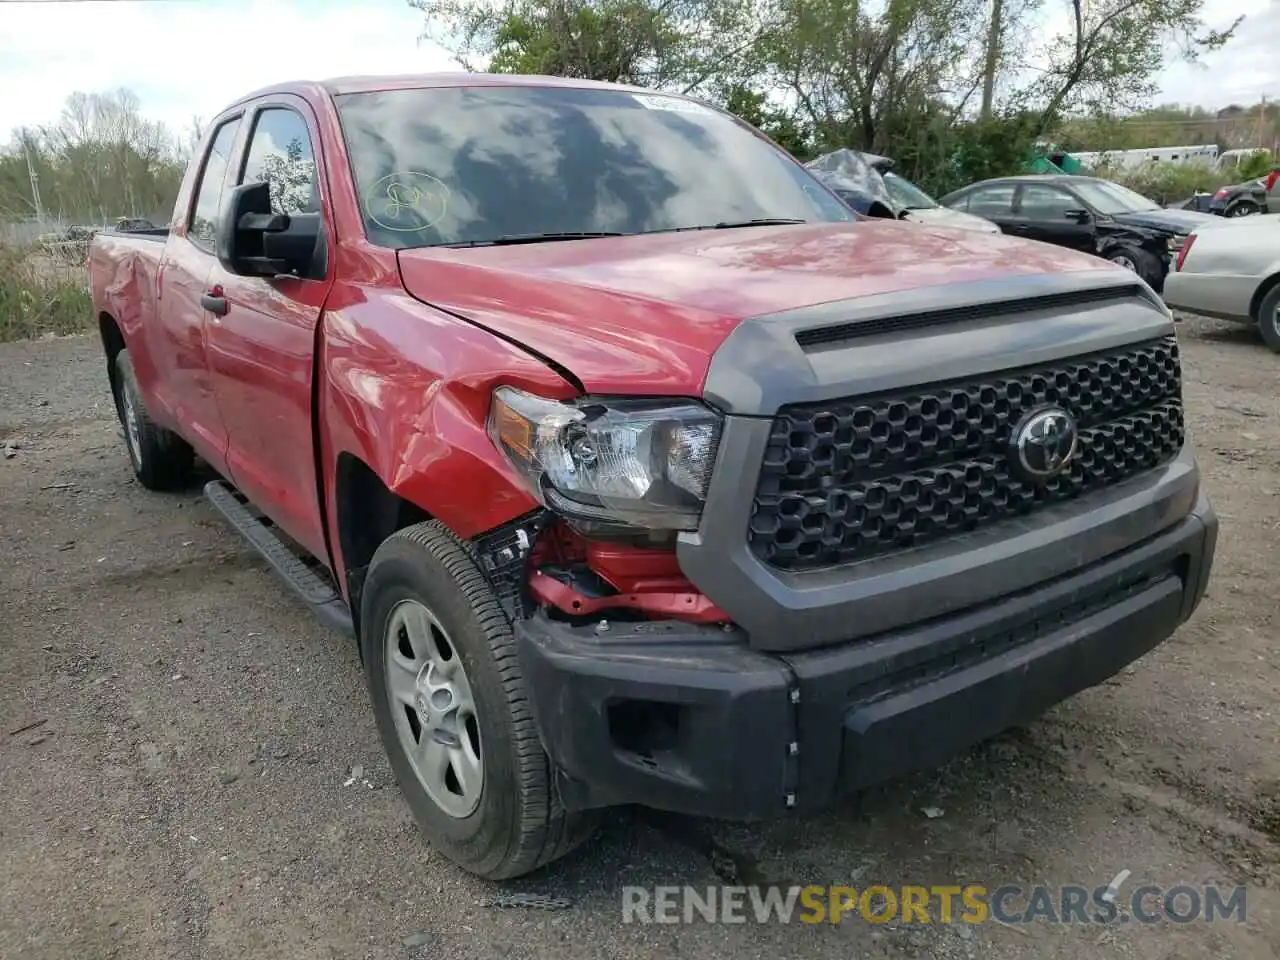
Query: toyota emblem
pixel 1044 443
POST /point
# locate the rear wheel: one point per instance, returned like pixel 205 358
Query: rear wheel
pixel 1243 208
pixel 453 712
pixel 1269 318
pixel 161 459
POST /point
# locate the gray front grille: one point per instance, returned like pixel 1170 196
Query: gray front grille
pixel 854 478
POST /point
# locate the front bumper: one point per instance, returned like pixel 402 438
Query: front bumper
pixel 691 719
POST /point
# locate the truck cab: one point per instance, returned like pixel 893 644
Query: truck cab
pixel 640 468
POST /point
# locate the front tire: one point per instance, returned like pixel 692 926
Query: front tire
pixel 1269 319
pixel 453 712
pixel 161 459
pixel 1140 262
pixel 1243 208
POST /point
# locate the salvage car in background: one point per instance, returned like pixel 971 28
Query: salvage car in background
pixel 1231 272
pixel 865 183
pixel 1084 213
pixel 1240 199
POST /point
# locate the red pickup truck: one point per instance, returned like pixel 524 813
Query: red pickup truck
pixel 642 470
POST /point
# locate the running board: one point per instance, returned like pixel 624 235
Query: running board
pixel 310 586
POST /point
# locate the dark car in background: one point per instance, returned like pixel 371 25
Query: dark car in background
pixel 1240 199
pixel 1084 213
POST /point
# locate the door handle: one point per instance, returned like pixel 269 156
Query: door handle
pixel 215 302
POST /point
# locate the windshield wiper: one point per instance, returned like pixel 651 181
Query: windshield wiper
pixel 730 224
pixel 758 222
pixel 514 238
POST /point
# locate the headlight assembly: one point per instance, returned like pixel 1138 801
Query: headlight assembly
pixel 642 463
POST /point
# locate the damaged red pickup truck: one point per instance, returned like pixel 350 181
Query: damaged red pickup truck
pixel 642 470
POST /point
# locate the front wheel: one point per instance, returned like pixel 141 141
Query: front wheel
pixel 452 710
pixel 1269 319
pixel 1140 262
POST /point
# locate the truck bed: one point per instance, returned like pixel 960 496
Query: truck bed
pixel 154 233
pixel 122 273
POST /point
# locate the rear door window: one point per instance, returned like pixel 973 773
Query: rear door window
pixel 995 201
pixel 203 227
pixel 1046 204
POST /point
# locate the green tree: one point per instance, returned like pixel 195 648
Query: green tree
pixel 100 159
pixel 677 44
pixel 901 77
pixel 782 126
pixel 1256 164
pixel 890 81
pixel 1111 54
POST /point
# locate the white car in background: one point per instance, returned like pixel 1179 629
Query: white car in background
pixel 1231 271
pixel 919 207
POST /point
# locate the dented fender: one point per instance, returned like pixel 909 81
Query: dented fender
pixel 407 389
pixel 124 282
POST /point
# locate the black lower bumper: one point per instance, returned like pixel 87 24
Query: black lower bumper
pixel 689 718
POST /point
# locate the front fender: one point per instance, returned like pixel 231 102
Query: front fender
pixel 1148 240
pixel 407 389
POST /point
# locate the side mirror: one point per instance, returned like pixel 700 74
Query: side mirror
pixel 1079 216
pixel 255 242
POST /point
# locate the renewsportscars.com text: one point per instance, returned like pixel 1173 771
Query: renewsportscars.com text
pixel 969 903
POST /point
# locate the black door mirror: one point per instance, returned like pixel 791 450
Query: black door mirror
pixel 255 242
pixel 1078 215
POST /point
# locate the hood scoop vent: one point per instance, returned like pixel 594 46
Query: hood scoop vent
pixel 817 338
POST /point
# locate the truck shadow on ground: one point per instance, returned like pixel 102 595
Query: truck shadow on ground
pixel 979 816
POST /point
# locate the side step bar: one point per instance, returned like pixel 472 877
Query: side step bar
pixel 310 586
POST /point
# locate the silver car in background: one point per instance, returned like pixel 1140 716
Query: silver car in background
pixel 1232 271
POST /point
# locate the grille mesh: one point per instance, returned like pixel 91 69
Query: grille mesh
pixel 855 478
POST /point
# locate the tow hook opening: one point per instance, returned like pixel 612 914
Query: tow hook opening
pixel 644 729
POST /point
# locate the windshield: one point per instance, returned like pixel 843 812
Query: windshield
pixel 906 194
pixel 1111 198
pixel 458 165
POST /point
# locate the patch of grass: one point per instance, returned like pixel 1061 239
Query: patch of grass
pixel 39 297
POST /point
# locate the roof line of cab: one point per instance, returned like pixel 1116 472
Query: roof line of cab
pixel 371 83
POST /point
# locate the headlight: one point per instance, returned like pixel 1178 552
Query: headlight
pixel 643 463
pixel 1175 243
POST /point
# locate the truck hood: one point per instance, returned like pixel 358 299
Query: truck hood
pixel 645 314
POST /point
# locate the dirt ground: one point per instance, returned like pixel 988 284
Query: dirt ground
pixel 178 740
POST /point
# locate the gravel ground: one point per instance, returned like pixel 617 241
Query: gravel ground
pixel 178 740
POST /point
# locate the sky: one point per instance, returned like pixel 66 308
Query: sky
pixel 189 58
